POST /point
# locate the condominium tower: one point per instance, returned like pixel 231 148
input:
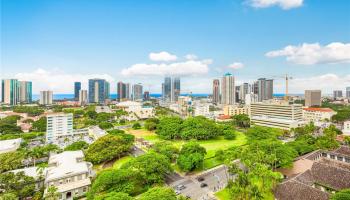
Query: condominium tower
pixel 59 125
pixel 348 92
pixel 46 97
pixel 312 98
pixel 10 91
pixel 77 88
pixel 264 89
pixel 25 91
pixel 98 91
pixel 137 92
pixel 337 94
pixel 228 89
pixel 216 91
pixel 83 97
pixel 171 89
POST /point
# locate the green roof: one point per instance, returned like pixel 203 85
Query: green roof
pixel 227 74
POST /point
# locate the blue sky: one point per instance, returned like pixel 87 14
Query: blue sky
pixel 54 42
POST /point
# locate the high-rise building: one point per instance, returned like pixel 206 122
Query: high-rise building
pixel 146 96
pixel 59 125
pixel 171 89
pixel 348 92
pixel 312 98
pixel 25 91
pixel 46 97
pixel 127 91
pixel 238 97
pixel 10 91
pixel 98 91
pixel 337 94
pixel 264 89
pixel 83 97
pixel 77 88
pixel 137 92
pixel 216 91
pixel 228 89
pixel 121 91
pixel 244 90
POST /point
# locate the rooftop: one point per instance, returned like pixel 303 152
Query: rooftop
pixel 65 164
pixel 8 145
pixel 318 109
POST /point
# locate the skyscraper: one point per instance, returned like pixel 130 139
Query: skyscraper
pixel 244 90
pixel 10 91
pixel 46 97
pixel 121 90
pixel 137 92
pixel 83 97
pixel 77 87
pixel 216 91
pixel 337 94
pixel 171 89
pixel 264 89
pixel 146 96
pixel 348 92
pixel 228 89
pixel 25 91
pixel 98 91
pixel 312 98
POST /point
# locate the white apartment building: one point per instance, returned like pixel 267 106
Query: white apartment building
pixel 46 97
pixel 83 97
pixel 317 114
pixel 232 110
pixel 59 126
pixel 202 110
pixel 69 173
pixel 276 114
pixel 136 110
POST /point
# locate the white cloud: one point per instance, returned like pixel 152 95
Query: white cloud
pixel 284 4
pixel 186 68
pixel 236 65
pixel 191 57
pixel 58 81
pixel 162 56
pixel 326 82
pixel 309 54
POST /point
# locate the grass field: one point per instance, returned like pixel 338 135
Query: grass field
pixel 223 194
pixel 211 145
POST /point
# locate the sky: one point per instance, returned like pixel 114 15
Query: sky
pixel 56 42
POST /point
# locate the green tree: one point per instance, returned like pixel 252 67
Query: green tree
pixel 151 124
pixel 136 125
pixel 166 148
pixel 18 184
pixel 241 120
pixel 52 193
pixel 199 128
pixel 191 156
pixel 152 167
pixel 79 145
pixel 341 195
pixel 39 125
pixel 328 140
pixel 169 127
pixel 105 125
pixel 114 196
pixel 159 193
pixel 10 161
pixel 229 134
pixel 108 147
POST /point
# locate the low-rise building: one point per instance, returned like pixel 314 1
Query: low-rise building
pixel 36 173
pixel 136 110
pixel 9 145
pixel 316 176
pixel 69 173
pixel 202 109
pixel 277 114
pixel 232 110
pixel 318 114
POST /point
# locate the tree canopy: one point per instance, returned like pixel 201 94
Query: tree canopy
pixel 79 145
pixel 191 156
pixel 108 147
pixel 159 193
pixel 17 184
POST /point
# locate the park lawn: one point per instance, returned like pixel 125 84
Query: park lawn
pixel 223 194
pixel 118 163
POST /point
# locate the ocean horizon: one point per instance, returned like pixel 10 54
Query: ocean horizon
pixel 114 96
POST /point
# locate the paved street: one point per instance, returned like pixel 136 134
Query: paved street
pixel 216 178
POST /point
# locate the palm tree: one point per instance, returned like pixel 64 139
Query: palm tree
pixel 52 193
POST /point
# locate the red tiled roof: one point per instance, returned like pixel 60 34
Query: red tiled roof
pixel 319 109
pixel 224 117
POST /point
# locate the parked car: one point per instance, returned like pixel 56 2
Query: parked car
pixel 200 179
pixel 180 187
pixel 203 185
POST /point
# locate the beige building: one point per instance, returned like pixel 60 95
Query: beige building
pixel 312 98
pixel 317 114
pixel 46 97
pixel 276 114
pixel 69 173
pixel 232 110
pixel 83 97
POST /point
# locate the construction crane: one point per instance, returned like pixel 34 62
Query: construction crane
pixel 287 78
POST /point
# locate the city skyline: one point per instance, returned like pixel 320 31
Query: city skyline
pixel 197 41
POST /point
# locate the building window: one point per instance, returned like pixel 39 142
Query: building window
pixel 332 156
pixel 340 158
